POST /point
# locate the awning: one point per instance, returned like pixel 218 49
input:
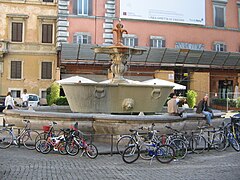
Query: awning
pixel 83 54
pixel 75 79
pixel 164 82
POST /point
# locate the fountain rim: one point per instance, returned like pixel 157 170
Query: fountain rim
pixel 116 84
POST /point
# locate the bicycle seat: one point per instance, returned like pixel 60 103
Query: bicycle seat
pixel 54 123
pixel 27 121
pixel 132 130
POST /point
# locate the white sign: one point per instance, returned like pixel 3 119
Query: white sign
pixel 180 11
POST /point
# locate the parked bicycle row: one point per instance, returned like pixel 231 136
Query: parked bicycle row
pixel 176 145
pixel 67 141
pixel 146 143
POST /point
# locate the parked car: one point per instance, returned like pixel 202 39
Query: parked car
pixel 33 100
pixel 2 101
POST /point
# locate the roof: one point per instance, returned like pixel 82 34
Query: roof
pixel 76 53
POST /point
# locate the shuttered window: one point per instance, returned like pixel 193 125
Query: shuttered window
pixel 46 70
pixel 47 0
pixel 82 39
pixel 219 47
pixel 157 43
pixel 130 41
pixel 82 7
pixel 219 16
pixel 47 33
pixel 16 69
pixel 17 30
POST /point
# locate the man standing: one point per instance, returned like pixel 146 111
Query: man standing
pixel 24 98
pixel 204 108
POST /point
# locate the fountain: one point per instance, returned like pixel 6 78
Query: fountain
pixel 118 96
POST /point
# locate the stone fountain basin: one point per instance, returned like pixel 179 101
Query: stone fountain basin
pixel 118 50
pixel 115 98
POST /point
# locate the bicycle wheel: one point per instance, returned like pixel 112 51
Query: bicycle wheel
pixel 179 147
pixel 6 138
pixel 91 151
pixel 62 148
pixel 146 151
pixel 44 146
pixel 29 138
pixel 165 153
pixel 199 144
pixel 40 136
pixel 123 143
pixel 234 143
pixel 219 141
pixel 131 154
pixel 72 148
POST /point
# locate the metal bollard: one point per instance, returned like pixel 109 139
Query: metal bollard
pixel 19 138
pixel 4 122
pixel 111 144
pixel 208 140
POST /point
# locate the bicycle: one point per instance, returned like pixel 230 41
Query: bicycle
pixel 232 131
pixel 77 142
pixel 216 139
pixel 163 153
pixel 56 143
pixel 48 131
pixel 125 140
pixel 26 136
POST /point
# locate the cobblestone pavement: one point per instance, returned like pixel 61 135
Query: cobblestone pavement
pixel 20 163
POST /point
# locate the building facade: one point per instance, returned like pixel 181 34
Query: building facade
pixel 28 54
pixel 199 41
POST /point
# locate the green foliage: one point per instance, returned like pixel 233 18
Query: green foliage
pixel 48 95
pixel 61 101
pixel 238 103
pixel 191 98
pixel 54 94
pixel 223 102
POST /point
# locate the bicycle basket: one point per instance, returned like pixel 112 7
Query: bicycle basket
pixel 46 128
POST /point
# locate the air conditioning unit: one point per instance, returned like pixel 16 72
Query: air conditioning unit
pixel 3 46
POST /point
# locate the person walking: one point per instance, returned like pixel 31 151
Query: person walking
pixel 9 102
pixel 203 107
pixel 24 97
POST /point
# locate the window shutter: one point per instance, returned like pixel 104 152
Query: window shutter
pixel 46 70
pixel 214 47
pixel 163 43
pixel 90 7
pixel 135 41
pixel 89 40
pixel 151 42
pixel 224 48
pixel 19 32
pixel 75 39
pixel 74 6
pixel 49 33
pixel 16 69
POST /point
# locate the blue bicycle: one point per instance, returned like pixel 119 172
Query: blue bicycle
pixel 148 150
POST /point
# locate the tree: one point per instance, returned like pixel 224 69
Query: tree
pixel 191 98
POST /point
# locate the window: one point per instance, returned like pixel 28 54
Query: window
pixel 239 16
pixel 82 7
pixel 219 47
pixel 17 32
pixel 130 40
pixel 82 38
pixel 16 70
pixel 219 16
pixel 43 94
pixel 47 33
pixel 157 42
pixel 46 72
pixel 15 93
